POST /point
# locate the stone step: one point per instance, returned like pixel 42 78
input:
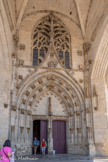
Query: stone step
pixel 58 158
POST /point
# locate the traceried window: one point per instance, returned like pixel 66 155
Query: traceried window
pixel 51 30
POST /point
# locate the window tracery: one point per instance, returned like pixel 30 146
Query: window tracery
pixel 51 31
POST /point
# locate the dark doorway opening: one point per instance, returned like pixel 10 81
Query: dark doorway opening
pixel 40 130
pixel 59 136
pixel 36 132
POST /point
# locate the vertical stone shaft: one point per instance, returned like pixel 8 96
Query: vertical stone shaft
pixel 87 91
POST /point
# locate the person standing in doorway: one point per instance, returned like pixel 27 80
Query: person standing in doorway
pixel 43 146
pixel 35 145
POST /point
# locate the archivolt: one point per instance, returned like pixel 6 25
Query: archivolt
pixel 70 86
pixel 101 59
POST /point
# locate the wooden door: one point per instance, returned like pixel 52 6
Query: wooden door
pixel 59 136
pixel 44 131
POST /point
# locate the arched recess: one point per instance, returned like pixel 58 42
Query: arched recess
pixel 68 93
pixel 99 55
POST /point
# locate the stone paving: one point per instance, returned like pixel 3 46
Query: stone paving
pixel 58 158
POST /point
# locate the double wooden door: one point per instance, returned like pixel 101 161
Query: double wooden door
pixel 59 134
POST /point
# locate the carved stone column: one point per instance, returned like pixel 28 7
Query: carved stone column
pixel 50 137
pixel 88 99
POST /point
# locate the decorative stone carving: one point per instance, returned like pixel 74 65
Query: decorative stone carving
pixel 14 55
pixel 16 39
pixel 60 82
pixel 34 96
pixel 73 96
pixel 71 113
pixel 78 112
pixel 72 130
pixel 40 81
pixel 20 77
pixel 27 93
pixel 52 63
pixel 81 81
pixel 5 105
pixel 59 90
pixel 68 88
pixel 55 41
pixel 48 77
pixel 21 129
pixel 21 62
pixel 95 99
pixel 17 86
pixel 95 108
pixel 14 108
pixel 22 46
pixel 22 111
pixel 23 101
pixel 80 67
pixel 29 112
pixel 90 62
pixel 87 110
pixel 33 86
pixel 53 78
pixel 49 86
pixel 86 46
pixel 30 103
pixel 40 89
pixel 79 130
pixel 28 130
pixel 70 105
pixel 77 104
pixel 65 97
